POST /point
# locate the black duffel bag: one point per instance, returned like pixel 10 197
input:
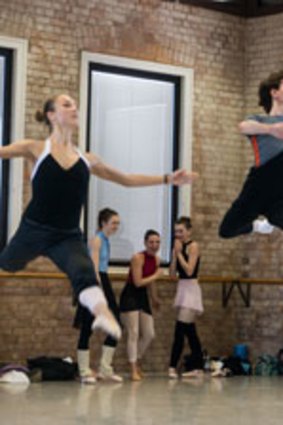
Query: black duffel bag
pixel 53 368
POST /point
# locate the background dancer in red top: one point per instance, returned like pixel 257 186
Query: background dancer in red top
pixel 262 193
pixel 50 223
pixel 135 306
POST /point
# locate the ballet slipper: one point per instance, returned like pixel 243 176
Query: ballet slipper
pixel 263 226
pixel 88 379
pixel 172 373
pixel 197 373
pixel 135 376
pixel 108 324
pixel 140 371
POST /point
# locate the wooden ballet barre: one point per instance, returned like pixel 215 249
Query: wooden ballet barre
pixel 48 275
pixel 248 280
pixel 243 284
pixel 229 283
pixel 33 275
pixel 202 279
pixel 117 276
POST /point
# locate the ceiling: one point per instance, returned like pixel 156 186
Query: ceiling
pixel 247 8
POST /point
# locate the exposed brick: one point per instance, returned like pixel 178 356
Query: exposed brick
pixel 229 56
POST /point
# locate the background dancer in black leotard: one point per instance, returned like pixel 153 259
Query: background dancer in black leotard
pixel 188 301
pixel 262 193
pixel 50 224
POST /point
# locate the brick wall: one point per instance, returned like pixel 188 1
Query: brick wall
pixel 219 48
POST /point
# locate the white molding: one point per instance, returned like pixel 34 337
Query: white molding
pixel 20 47
pixel 186 75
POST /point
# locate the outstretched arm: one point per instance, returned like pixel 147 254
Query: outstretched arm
pixel 105 171
pixel 24 148
pixel 251 128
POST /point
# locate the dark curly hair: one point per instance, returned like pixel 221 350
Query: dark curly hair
pixel 273 81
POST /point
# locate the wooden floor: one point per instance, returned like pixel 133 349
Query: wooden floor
pixel 205 401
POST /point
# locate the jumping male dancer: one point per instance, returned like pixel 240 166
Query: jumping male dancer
pixel 262 193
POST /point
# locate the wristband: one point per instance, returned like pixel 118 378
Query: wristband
pixel 166 179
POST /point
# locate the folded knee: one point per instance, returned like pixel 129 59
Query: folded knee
pixel 225 232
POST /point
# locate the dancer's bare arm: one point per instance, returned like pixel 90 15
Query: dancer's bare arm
pixel 105 171
pixel 173 264
pixel 95 246
pixel 252 127
pixel 24 148
pixel 156 302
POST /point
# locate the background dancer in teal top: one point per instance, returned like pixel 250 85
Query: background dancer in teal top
pixel 108 224
pixel 262 193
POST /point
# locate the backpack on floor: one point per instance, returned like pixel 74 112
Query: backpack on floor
pixel 54 368
pixel 237 366
pixel 266 365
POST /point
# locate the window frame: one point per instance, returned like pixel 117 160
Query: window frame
pixel 19 46
pixel 7 54
pixel 147 75
pixel 184 75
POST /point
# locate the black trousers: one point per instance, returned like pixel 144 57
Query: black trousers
pixel 262 194
pixel 84 319
pixel 65 248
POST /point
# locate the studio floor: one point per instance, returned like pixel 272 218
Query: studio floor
pixel 221 401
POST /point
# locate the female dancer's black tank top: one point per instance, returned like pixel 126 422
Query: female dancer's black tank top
pixel 58 194
pixel 181 271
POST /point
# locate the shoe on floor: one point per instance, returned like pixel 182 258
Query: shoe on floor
pixel 135 376
pixel 172 374
pixel 87 379
pixel 113 377
pixel 196 373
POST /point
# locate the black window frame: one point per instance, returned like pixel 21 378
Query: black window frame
pixel 7 54
pixel 176 80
